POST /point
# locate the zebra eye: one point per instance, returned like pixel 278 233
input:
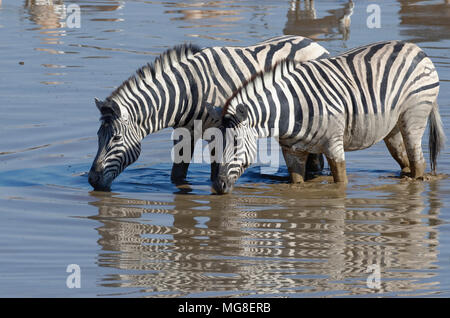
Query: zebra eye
pixel 117 138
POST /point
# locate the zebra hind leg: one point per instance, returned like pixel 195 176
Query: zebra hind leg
pixel 396 146
pixel 412 125
pixel 296 164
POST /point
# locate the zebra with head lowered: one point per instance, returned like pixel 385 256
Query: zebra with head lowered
pixel 177 90
pixel 385 90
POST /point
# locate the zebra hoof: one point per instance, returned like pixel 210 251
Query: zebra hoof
pixel 297 178
pixel 179 181
pixel 406 172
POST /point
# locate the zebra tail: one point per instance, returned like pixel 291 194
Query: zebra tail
pixel 436 137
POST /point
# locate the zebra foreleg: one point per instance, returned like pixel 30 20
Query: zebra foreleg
pixel 335 154
pixel 296 164
pixel 179 173
pixel 396 146
pixel 338 170
pixel 179 169
pixel 214 159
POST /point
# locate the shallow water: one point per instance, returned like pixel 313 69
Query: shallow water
pixel 149 238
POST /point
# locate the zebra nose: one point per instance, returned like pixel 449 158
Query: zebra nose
pixel 93 178
pixel 221 185
pixel 224 186
pixel 97 181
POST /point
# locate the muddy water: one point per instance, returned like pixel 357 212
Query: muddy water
pixel 149 238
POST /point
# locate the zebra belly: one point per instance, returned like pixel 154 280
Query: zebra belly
pixel 366 130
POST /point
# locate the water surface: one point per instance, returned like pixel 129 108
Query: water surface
pixel 149 238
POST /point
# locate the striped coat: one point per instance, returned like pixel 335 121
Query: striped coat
pixel 174 92
pixel 382 91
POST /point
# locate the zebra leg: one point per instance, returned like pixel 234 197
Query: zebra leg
pixel 336 160
pixel 412 125
pixel 314 163
pixel 338 170
pixel 214 160
pixel 179 170
pixel 396 146
pixel 296 164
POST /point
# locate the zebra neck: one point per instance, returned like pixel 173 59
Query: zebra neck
pixel 266 125
pixel 277 119
pixel 172 100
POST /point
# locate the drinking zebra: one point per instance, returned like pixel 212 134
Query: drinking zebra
pixel 384 90
pixel 175 91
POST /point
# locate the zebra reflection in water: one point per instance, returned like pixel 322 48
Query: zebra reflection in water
pixel 421 21
pixel 285 241
pixel 303 20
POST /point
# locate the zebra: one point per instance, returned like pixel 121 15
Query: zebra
pixel 384 90
pixel 184 84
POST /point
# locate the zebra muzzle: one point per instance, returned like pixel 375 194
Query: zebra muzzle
pixel 222 185
pixel 97 181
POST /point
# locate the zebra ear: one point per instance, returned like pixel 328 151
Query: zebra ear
pixel 98 103
pixel 116 109
pixel 241 112
pixel 108 108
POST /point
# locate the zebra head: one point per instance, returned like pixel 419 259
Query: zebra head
pixel 239 148
pixel 119 145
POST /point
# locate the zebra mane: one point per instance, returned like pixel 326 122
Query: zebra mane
pixel 148 71
pixel 269 72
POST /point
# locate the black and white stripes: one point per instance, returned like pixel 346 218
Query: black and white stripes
pixel 384 90
pixel 174 92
